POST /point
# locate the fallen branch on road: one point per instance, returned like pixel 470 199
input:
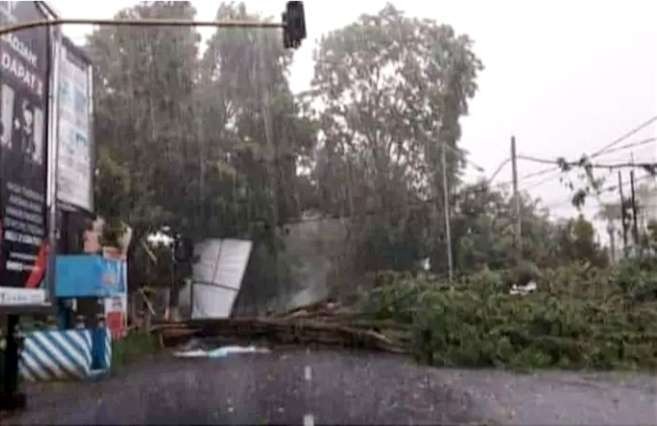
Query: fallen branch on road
pixel 293 329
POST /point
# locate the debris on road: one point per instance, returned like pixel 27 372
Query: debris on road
pixel 220 352
pixel 327 324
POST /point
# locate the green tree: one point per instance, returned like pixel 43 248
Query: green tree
pixel 206 147
pixel 253 137
pixel 390 90
pixel 143 87
pixel 482 227
pixel 577 242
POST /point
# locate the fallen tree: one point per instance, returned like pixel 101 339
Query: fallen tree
pixel 285 331
pixel 579 317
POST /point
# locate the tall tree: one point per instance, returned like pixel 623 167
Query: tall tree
pixel 577 242
pixel 390 90
pixel 253 138
pixel 143 84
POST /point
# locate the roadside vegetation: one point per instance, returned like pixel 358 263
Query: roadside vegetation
pixel 136 346
pixel 580 316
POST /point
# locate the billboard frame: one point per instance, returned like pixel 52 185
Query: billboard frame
pixel 48 304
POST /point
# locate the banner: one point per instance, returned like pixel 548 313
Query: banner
pixel 24 68
pixel 75 156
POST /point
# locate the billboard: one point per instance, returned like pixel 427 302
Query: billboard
pixel 75 143
pixel 24 73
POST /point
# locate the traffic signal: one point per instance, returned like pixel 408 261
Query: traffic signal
pixel 294 21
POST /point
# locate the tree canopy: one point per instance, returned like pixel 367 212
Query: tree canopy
pixel 209 141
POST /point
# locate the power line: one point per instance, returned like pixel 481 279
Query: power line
pixel 498 170
pixel 576 163
pixel 625 136
pixel 602 191
pixel 645 165
pixel 542 181
pixel 630 145
pixel 532 175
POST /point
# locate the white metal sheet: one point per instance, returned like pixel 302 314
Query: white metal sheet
pixel 218 276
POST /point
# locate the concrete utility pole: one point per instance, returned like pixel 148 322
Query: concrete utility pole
pixel 635 224
pixel 612 241
pixel 448 232
pixel 623 214
pixel 517 234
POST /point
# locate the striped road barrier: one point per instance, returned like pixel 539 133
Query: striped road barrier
pixel 56 355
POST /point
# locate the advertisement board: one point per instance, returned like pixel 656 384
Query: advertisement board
pixel 75 141
pixel 24 82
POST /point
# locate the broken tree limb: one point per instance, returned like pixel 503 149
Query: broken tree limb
pixel 281 331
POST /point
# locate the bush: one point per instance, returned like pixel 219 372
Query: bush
pixel 135 346
pixel 580 317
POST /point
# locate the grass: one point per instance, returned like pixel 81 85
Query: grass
pixel 136 346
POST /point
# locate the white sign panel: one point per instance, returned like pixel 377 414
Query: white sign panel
pixel 20 296
pixel 74 160
pixel 218 276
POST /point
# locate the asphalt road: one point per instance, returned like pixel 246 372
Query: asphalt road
pixel 309 387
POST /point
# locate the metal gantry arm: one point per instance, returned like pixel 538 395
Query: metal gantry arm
pixel 140 23
pixel 293 24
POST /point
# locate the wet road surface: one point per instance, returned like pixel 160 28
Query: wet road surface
pixel 312 387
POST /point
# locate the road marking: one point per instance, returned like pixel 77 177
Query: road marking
pixel 308 420
pixel 308 373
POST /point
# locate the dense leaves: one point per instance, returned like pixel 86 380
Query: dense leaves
pixel 212 143
pixel 389 91
pixel 580 317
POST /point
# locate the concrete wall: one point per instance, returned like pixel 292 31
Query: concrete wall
pixel 317 248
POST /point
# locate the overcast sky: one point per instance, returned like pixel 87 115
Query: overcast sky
pixel 564 77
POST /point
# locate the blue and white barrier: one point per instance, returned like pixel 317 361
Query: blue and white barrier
pixel 56 355
pixel 65 354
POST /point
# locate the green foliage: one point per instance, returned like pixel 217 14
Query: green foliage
pixel 390 90
pixel 577 242
pixel 580 317
pixel 638 279
pixel 134 347
pixel 206 147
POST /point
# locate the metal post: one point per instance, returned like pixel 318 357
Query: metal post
pixel 448 232
pixel 10 399
pixel 53 151
pixel 623 213
pixel 635 225
pixel 516 198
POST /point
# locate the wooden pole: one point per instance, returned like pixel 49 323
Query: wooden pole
pixel 623 213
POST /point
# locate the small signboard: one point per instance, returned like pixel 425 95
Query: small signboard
pixel 89 276
pixel 116 315
pixel 74 129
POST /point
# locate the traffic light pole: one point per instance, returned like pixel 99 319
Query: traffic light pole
pixel 293 24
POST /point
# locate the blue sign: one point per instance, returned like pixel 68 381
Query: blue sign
pixel 89 276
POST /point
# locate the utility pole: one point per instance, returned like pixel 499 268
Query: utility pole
pixel 516 198
pixel 635 224
pixel 623 214
pixel 448 232
pixel 612 242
